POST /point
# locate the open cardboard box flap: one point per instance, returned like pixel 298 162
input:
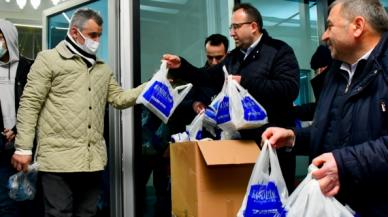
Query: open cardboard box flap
pixel 229 152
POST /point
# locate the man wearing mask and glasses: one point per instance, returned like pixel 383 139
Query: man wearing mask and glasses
pixel 64 103
pixel 266 67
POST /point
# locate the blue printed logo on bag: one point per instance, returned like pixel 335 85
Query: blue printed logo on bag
pixel 264 201
pixel 223 113
pixel 198 135
pixel 252 112
pixel 158 95
pixel 211 112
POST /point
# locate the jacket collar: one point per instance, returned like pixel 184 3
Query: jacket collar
pixel 67 54
pixel 377 61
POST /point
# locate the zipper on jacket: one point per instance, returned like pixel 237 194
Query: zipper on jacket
pixel 347 87
pixel 383 107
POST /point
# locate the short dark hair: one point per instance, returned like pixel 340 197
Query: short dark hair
pixel 321 58
pixel 252 12
pixel 217 39
pixel 82 15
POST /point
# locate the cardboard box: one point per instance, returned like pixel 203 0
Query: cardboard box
pixel 210 178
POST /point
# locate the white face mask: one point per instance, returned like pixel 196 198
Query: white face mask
pixel 3 50
pixel 90 46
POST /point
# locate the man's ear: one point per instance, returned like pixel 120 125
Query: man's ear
pixel 358 26
pixel 73 32
pixel 255 26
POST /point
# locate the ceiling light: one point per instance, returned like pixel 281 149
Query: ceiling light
pixel 21 3
pixel 7 0
pixel 35 4
pixel 55 2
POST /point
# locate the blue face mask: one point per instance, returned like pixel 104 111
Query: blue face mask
pixel 3 50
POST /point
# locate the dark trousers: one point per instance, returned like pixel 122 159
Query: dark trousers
pixel 70 194
pixel 8 207
pixel 160 167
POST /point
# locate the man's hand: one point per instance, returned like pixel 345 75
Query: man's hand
pixel 279 137
pixel 21 162
pixel 198 107
pixel 327 175
pixel 236 78
pixel 9 134
pixel 173 61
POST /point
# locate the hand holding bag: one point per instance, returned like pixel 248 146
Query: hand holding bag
pixel 308 200
pixel 266 191
pixel 22 186
pixel 160 97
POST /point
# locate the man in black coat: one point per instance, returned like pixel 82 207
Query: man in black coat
pixel 348 140
pixel 266 67
pixel 216 48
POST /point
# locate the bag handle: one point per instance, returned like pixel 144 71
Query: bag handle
pixel 181 91
pixel 268 159
pixel 239 88
pixel 163 69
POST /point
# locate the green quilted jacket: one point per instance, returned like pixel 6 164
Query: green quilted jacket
pixel 63 104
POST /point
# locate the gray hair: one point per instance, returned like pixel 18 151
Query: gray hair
pixel 81 16
pixel 372 10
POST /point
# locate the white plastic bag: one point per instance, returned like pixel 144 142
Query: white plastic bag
pixel 210 117
pixel 308 200
pixel 237 109
pixel 180 137
pixel 266 191
pixel 160 97
pixel 246 112
pixel 194 129
pixel 22 186
pixel 221 106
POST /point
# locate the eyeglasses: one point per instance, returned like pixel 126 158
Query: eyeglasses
pixel 218 58
pixel 235 26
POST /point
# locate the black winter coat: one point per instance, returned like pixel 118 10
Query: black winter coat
pixel 305 112
pixel 360 146
pixel 270 73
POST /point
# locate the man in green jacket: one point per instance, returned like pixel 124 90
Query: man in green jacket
pixel 64 100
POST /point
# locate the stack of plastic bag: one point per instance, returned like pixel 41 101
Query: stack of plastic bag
pixel 266 192
pixel 308 200
pixel 160 97
pixel 22 186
